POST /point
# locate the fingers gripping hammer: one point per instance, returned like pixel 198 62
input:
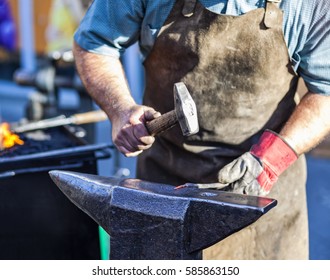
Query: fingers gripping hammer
pixel 184 113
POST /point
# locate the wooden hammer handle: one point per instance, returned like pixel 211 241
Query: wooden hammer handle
pixel 162 123
pixel 90 117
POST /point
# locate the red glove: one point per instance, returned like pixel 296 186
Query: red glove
pixel 255 172
pixel 275 155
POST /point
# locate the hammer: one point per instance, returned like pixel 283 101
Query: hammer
pixel 184 113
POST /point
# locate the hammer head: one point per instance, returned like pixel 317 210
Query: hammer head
pixel 185 109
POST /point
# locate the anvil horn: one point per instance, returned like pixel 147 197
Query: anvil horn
pixel 155 221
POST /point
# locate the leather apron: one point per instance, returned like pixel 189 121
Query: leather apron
pixel 238 71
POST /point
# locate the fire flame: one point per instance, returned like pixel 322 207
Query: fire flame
pixel 7 138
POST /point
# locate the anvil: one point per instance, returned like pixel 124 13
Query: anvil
pixel 147 220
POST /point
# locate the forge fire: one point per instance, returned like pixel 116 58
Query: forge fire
pixel 7 138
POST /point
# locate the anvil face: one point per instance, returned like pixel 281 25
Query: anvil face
pixel 148 220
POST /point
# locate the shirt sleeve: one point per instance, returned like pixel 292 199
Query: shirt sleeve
pixel 110 26
pixel 314 65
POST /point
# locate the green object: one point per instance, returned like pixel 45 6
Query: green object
pixel 104 244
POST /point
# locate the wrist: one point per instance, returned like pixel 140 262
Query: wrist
pixel 120 108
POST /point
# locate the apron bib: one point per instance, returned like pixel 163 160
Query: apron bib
pixel 238 71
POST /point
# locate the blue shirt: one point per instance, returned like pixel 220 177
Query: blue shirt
pixel 110 26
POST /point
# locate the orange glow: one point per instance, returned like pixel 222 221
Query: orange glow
pixel 7 138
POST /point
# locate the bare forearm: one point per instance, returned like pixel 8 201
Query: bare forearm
pixel 104 79
pixel 309 124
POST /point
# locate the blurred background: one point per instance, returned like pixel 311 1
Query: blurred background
pixel 38 81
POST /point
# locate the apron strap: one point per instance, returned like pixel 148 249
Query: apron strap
pixel 273 15
pixel 188 8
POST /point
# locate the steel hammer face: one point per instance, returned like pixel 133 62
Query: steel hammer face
pixel 185 109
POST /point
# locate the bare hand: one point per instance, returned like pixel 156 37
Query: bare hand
pixel 129 133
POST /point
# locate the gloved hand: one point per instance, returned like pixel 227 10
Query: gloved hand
pixel 256 171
